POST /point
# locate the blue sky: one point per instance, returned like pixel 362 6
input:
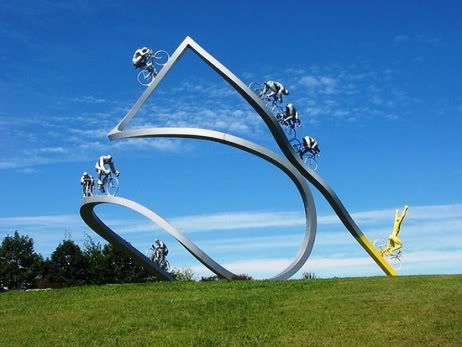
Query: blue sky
pixel 377 83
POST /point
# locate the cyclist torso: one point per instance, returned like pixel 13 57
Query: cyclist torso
pixel 141 57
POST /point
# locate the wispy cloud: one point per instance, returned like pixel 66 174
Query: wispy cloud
pixel 342 94
pixel 432 236
pixel 89 99
pixel 443 215
pixel 346 94
pixel 43 221
pixel 419 39
pixel 416 263
pixel 322 84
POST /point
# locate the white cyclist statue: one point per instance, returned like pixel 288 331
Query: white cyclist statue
pixel 87 183
pixel 291 116
pixel 274 90
pixel 160 253
pixel 310 145
pixel 102 169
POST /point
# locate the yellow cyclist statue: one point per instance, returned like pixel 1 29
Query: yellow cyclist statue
pixel 395 242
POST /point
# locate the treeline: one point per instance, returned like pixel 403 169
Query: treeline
pixel 21 267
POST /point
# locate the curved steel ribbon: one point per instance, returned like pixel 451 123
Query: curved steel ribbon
pixel 278 134
pixel 89 216
pixel 284 165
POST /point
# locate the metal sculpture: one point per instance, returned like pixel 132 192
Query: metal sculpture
pixel 158 254
pixel 295 168
pixel 391 247
pixel 146 59
pixel 107 183
pixel 87 182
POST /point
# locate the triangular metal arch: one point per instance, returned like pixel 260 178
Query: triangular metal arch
pixel 189 43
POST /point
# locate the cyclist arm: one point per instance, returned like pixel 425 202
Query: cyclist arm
pixel 404 212
pixel 113 169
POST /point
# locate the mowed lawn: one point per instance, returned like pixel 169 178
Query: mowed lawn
pixel 377 311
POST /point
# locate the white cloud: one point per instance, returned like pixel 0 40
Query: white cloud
pixel 319 84
pixel 432 238
pixel 423 217
pixel 412 263
pixel 45 221
pixel 58 149
pixel 89 99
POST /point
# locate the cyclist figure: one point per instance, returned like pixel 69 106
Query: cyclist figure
pixel 395 242
pixel 310 145
pixel 87 183
pixel 274 90
pixel 291 117
pixel 141 59
pixel 160 251
pixel 102 170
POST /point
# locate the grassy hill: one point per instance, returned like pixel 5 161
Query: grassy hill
pixel 378 311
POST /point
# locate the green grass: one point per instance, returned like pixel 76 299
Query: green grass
pixel 378 311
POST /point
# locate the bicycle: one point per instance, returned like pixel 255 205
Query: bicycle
pixel 289 128
pixel 110 185
pixel 271 102
pixel 163 264
pixel 149 72
pixel 383 246
pixel 308 157
pixel 154 255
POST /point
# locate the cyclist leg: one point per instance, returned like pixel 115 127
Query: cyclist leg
pixel 265 89
pixel 397 244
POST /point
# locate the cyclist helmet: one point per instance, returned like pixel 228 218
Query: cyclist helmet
pixel 85 173
pixel 285 91
pixel 109 157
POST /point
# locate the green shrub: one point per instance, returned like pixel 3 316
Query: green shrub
pixel 210 278
pixel 242 277
pixel 184 274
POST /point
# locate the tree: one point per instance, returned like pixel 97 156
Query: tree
pixel 19 264
pixel 97 270
pixel 68 264
pixel 121 268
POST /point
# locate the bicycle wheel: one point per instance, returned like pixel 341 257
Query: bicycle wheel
pixel 279 118
pixel 97 189
pixel 395 260
pixel 296 144
pixel 381 245
pixel 311 162
pixel 161 57
pixel 150 254
pixel 277 110
pixel 290 133
pixel 257 88
pixel 145 78
pixel 112 186
pixel 165 265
